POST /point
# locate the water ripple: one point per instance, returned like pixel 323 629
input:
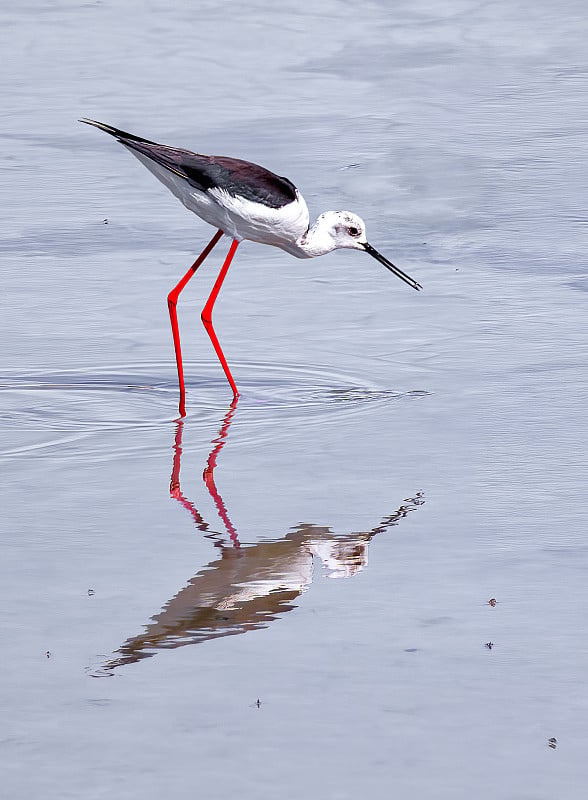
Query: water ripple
pixel 56 413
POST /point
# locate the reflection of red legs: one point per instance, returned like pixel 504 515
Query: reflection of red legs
pixel 208 477
pixel 207 316
pixel 208 474
pixel 174 484
pixel 172 301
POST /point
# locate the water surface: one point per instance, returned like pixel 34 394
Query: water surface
pixel 290 597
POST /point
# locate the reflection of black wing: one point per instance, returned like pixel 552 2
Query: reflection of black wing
pixel 204 624
pixel 213 603
pixel 232 175
pixel 248 587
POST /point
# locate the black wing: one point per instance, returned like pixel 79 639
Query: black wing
pixel 236 177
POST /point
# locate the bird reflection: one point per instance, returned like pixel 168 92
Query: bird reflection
pixel 246 587
pixel 207 476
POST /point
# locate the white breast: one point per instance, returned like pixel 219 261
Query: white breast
pixel 245 219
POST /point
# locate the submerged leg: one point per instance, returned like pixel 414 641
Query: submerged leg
pixel 207 316
pixel 172 301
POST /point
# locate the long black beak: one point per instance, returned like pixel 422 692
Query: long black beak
pixel 398 272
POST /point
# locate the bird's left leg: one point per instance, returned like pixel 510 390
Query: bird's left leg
pixel 172 301
pixel 207 316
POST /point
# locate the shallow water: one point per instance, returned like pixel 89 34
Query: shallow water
pixel 290 596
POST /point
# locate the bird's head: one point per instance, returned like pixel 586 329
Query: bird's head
pixel 346 230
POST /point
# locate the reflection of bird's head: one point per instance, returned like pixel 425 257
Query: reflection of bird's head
pixel 341 558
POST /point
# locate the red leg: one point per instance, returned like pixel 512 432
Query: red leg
pixel 172 300
pixel 207 316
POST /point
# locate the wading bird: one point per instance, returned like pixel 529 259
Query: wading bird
pixel 244 201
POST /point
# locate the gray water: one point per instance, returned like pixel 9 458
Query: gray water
pixel 313 618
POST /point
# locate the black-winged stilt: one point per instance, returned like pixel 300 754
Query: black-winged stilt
pixel 243 201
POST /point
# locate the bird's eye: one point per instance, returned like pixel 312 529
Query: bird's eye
pixel 353 231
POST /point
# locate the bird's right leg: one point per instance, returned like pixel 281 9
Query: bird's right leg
pixel 172 301
pixel 207 317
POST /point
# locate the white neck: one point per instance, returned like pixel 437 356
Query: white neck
pixel 317 241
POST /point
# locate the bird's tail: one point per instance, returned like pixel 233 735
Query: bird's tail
pixel 122 136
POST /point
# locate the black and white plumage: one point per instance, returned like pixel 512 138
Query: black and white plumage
pixel 247 201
